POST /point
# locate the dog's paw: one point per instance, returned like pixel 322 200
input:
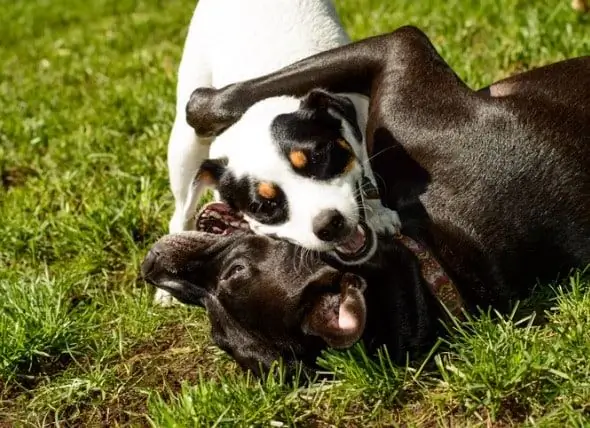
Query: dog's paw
pixel 165 299
pixel 210 111
pixel 381 219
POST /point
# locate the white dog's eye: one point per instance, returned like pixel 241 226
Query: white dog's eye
pixel 266 206
pixel 317 157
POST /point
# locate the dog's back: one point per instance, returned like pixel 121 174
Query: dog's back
pixel 258 36
pixel 521 202
pixel 553 102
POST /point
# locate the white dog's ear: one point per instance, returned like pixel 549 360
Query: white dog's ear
pixel 210 172
pixel 336 105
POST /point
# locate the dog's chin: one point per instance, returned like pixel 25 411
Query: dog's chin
pixel 358 248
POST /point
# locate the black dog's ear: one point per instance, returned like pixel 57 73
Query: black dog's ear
pixel 210 172
pixel 340 106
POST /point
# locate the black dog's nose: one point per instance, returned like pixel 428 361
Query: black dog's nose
pixel 329 225
pixel 148 264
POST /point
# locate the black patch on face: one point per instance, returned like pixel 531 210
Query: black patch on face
pixel 315 136
pixel 211 170
pixel 243 195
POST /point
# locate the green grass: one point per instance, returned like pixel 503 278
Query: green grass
pixel 87 94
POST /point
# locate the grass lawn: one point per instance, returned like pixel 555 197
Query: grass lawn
pixel 87 95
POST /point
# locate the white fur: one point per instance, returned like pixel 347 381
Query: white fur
pixel 236 40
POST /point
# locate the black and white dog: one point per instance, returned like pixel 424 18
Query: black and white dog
pixel 494 185
pixel 307 186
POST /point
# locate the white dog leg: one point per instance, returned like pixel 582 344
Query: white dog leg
pixel 186 151
pixel 379 218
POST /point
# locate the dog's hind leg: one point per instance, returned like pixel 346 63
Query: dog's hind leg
pixel 186 151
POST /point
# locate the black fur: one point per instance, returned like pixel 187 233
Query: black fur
pixel 315 133
pixel 314 129
pixel 242 196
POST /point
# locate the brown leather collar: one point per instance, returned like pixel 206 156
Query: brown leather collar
pixel 441 285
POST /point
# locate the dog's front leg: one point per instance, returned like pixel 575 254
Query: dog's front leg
pixel 186 150
pixel 360 67
pixel 379 218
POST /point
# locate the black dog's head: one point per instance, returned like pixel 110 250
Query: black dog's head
pixel 265 298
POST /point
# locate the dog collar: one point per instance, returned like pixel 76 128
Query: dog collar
pixel 441 285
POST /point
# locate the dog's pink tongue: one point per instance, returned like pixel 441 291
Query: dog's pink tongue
pixel 354 243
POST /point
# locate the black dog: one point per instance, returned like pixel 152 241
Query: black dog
pixel 495 183
pixel 267 298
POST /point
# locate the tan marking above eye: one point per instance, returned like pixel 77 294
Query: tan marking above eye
pixel 350 165
pixel 298 158
pixel 206 177
pixel 344 144
pixel 267 190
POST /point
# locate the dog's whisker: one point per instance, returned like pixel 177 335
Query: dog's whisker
pixel 383 182
pixel 378 153
pixel 307 260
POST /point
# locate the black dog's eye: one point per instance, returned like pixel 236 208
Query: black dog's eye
pixel 232 271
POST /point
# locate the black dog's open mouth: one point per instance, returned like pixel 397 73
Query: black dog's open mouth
pixel 220 219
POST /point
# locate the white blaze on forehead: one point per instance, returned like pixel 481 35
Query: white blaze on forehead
pixel 251 151
pixel 248 144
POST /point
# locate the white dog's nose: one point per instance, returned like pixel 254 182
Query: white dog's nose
pixel 329 225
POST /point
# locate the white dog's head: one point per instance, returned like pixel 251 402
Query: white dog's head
pixel 293 168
